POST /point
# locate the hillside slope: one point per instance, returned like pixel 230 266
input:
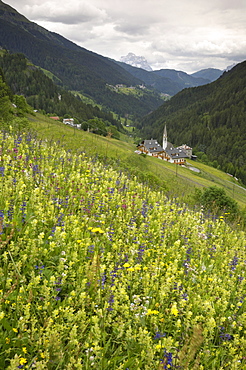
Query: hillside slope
pixel 210 118
pixel 177 182
pixel 101 272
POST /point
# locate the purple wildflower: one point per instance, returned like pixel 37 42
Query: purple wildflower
pixel 110 302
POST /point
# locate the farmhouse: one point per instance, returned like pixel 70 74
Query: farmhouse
pixel 151 147
pixel 68 121
pixel 167 151
pixel 186 149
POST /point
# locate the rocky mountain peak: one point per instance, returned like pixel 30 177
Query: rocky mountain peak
pixel 136 61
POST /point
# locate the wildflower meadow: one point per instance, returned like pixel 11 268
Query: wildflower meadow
pixel 98 271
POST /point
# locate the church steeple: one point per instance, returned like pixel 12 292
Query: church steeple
pixel 164 142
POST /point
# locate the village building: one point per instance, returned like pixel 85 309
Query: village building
pixel 165 152
pixel 150 147
pixel 187 149
pixel 68 121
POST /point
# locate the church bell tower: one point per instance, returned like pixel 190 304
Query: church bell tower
pixel 164 142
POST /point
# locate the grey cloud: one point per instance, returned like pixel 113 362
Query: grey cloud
pixel 68 19
pixel 68 13
pixel 131 29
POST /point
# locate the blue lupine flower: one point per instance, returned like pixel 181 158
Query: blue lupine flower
pixel 159 335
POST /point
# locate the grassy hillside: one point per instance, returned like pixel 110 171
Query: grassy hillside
pixel 98 271
pixel 175 181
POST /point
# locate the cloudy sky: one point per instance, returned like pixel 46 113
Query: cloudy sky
pixel 187 35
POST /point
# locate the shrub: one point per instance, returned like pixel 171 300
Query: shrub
pixel 215 200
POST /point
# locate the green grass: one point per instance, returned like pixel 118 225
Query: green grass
pixel 131 91
pixel 50 75
pixel 177 181
pixel 86 99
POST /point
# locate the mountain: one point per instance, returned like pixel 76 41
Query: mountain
pixel 166 81
pixel 150 79
pixel 136 61
pixel 209 118
pixel 210 74
pixel 75 67
pixel 182 79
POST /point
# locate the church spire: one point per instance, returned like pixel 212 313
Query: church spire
pixel 164 143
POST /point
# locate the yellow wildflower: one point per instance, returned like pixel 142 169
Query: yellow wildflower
pixel 96 230
pixel 174 310
pixel 130 269
pixel 126 265
pixel 23 361
pixel 152 312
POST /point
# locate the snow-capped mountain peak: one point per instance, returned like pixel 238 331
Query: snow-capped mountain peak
pixel 136 61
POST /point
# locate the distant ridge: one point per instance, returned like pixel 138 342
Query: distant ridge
pixel 210 74
pixel 166 81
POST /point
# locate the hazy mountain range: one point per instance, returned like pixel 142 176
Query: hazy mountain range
pixel 203 76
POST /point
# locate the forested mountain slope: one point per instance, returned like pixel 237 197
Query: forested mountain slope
pixel 210 118
pixel 42 94
pixel 182 79
pixel 76 68
pixel 5 100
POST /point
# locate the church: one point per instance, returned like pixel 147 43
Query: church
pixel 167 151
